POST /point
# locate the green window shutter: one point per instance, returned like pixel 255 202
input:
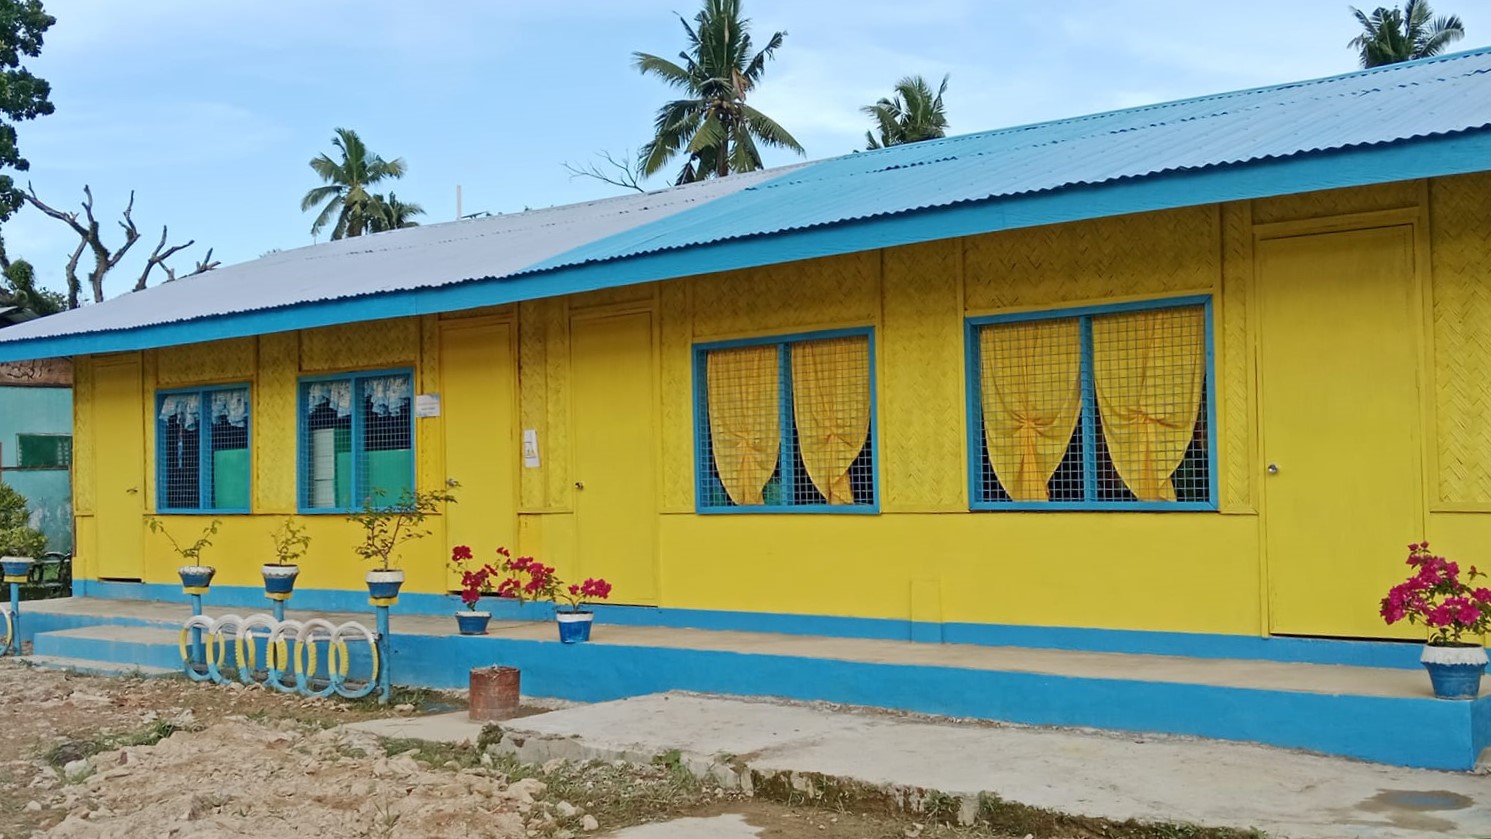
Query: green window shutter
pixel 44 451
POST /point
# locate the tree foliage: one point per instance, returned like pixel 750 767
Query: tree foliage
pixel 346 203
pixel 712 126
pixel 393 214
pixel 17 537
pixel 23 96
pixel 1391 35
pixel 912 114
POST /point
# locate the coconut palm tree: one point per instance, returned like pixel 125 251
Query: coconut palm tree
pixel 712 126
pixel 393 214
pixel 913 114
pixel 1393 35
pixel 345 201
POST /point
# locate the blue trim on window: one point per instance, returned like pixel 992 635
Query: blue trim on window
pixel 302 463
pixel 787 462
pixel 204 450
pixel 1089 407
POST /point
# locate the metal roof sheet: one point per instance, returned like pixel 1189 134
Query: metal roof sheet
pixel 1428 98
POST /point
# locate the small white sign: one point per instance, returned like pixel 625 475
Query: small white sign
pixel 427 405
pixel 530 448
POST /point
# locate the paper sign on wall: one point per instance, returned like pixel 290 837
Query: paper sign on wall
pixel 530 448
pixel 427 405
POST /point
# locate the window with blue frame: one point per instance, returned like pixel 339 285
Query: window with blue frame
pixel 356 440
pixel 1095 408
pixel 202 450
pixel 786 424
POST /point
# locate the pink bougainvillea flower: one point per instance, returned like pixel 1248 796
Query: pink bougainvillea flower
pixel 460 553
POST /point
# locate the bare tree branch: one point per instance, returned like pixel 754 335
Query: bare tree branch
pixel 624 172
pixel 159 256
pixel 205 264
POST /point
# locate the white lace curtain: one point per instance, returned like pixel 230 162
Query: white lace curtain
pixel 185 409
pixel 386 395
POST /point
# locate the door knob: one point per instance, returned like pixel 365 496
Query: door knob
pixel 1273 469
pixel 579 484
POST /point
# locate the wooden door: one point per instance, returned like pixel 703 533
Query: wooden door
pixel 119 464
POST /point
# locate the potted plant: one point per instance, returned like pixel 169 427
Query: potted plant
pixel 474 583
pixel 290 544
pixel 20 544
pixel 529 579
pixel 386 528
pixel 1452 609
pixel 195 577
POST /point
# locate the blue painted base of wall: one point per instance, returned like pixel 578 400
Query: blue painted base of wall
pixel 1403 655
pixel 1414 731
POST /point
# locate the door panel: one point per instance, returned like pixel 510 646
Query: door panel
pixel 476 377
pixel 120 466
pixel 614 426
pixel 1341 424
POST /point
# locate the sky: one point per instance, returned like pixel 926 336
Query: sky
pixel 210 110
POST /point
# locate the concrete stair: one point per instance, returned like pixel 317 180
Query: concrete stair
pixel 115 649
pixel 88 667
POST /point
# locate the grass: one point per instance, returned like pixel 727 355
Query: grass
pixel 68 751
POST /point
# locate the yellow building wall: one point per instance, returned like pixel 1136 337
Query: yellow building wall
pixel 925 556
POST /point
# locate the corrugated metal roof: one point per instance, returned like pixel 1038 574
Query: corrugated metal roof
pixel 1430 98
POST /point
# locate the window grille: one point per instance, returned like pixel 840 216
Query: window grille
pixel 202 450
pixel 786 424
pixel 356 441
pixel 1102 408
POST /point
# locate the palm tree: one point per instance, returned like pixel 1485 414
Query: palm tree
pixel 393 214
pixel 913 114
pixel 713 126
pixel 347 204
pixel 1393 35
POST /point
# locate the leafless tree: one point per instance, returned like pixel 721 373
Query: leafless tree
pixel 105 259
pixel 623 172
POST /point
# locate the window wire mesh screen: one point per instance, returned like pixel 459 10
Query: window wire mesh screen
pixel 202 450
pixel 357 441
pixel 787 425
pixel 1108 408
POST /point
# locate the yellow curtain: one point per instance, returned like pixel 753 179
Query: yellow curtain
pixel 744 387
pixel 1031 384
pixel 1148 368
pixel 831 402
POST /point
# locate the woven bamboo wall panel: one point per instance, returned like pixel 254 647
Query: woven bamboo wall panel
pixel 621 295
pixel 677 397
pixel 1235 361
pixel 429 441
pixel 532 402
pixel 920 392
pixel 543 395
pixel 84 475
pixel 381 343
pixel 212 362
pixel 779 298
pixel 1152 253
pixel 275 423
pixel 1460 222
pixel 1336 202
pixel 149 381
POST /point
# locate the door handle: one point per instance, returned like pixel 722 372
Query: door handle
pixel 579 484
pixel 132 490
pixel 1273 469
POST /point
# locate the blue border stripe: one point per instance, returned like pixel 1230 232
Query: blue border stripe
pixel 1404 160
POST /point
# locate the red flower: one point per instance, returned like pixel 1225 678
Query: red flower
pixel 460 553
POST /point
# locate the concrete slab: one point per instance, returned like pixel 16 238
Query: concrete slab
pixel 454 727
pixel 88 667
pixel 1284 793
pixel 731 826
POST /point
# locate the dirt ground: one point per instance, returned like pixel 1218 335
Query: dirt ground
pixel 127 757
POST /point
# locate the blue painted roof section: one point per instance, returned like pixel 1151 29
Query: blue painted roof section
pixel 1425 98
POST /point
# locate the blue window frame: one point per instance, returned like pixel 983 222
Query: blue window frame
pixel 356 440
pixel 787 424
pixel 1040 385
pixel 202 450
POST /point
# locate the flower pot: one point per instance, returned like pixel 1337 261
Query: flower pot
pixel 574 627
pixel 16 568
pixel 385 585
pixel 196 578
pixel 472 623
pixel 280 579
pixel 1456 671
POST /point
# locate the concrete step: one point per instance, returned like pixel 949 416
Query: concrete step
pixel 88 667
pixel 123 646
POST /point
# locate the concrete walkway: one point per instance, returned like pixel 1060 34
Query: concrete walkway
pixel 1284 793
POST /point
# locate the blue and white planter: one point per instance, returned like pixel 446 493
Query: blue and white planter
pixel 574 627
pixel 1455 671
pixel 279 579
pixel 196 578
pixel 472 622
pixel 385 585
pixel 16 568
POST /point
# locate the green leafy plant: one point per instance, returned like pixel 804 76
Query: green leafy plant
pixel 290 543
pixel 387 527
pixel 17 537
pixel 190 554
